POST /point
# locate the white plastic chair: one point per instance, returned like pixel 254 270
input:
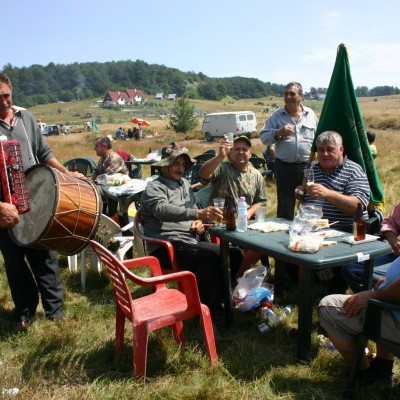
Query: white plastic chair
pixel 108 229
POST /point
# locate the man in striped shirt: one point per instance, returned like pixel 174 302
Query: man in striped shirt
pixel 339 183
pixel 339 186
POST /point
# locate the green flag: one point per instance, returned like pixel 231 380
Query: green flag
pixel 94 126
pixel 340 113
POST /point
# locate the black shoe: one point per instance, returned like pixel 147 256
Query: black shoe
pixel 23 324
pixel 374 376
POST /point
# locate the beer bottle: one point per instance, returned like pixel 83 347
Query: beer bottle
pixel 231 213
pixel 359 224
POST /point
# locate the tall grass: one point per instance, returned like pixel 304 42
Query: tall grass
pixel 74 359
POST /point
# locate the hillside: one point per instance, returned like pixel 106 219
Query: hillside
pixel 379 113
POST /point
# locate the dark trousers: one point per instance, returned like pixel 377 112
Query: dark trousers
pixel 42 275
pixel 354 273
pixel 205 261
pixel 288 176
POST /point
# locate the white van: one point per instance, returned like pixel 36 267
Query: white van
pixel 238 122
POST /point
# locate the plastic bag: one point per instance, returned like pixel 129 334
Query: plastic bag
pixel 305 243
pixel 254 298
pixel 305 219
pixel 251 279
pixel 248 293
pixel 114 179
pixel 299 231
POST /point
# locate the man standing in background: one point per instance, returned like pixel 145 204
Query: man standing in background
pixel 291 128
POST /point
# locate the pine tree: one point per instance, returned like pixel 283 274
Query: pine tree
pixel 183 116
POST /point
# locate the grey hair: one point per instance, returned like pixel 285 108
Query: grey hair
pixel 297 84
pixel 5 79
pixel 328 137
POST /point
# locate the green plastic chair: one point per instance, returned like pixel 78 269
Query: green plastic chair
pixel 372 331
pixel 82 165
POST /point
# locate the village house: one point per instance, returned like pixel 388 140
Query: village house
pixel 159 96
pixel 124 98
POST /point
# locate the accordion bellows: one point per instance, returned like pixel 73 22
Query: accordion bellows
pixel 13 184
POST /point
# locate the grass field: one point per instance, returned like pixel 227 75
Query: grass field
pixel 74 359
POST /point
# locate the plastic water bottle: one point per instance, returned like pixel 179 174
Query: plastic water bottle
pixel 270 315
pixel 287 310
pixel 241 225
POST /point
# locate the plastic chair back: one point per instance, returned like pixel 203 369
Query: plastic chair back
pixel 138 229
pixel 125 155
pixel 192 174
pixel 257 162
pixel 372 331
pixel 162 307
pixel 82 165
pixel 202 158
pixel 136 173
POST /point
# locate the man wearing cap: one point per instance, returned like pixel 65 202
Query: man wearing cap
pixel 291 129
pixel 235 177
pixel 169 212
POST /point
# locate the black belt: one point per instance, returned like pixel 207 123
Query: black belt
pixel 294 162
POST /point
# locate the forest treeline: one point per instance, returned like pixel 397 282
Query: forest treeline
pixel 39 84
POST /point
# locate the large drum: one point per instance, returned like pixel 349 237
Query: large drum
pixel 64 215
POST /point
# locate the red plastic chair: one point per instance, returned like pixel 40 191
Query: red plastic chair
pixel 139 234
pixel 161 308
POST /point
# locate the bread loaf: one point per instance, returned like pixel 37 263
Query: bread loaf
pixel 323 222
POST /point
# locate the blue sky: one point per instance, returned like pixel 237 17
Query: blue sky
pixel 273 41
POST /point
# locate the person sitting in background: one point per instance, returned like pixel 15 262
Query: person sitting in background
pixel 109 163
pixel 339 186
pixel 169 212
pixel 343 316
pixel 269 156
pixel 118 133
pixel 390 230
pixel 371 139
pixel 135 133
pixel 235 177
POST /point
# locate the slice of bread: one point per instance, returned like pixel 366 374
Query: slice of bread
pixel 322 222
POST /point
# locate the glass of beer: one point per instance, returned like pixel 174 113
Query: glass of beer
pixel 309 175
pixel 219 202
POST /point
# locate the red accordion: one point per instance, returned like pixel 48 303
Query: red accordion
pixel 13 184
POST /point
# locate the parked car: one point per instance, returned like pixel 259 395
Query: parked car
pixel 56 130
pixel 51 130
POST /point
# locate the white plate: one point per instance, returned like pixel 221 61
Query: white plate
pixel 330 233
pixel 368 238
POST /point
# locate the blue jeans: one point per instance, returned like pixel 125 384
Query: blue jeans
pixel 354 273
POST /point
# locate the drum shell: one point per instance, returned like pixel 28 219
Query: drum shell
pixel 65 212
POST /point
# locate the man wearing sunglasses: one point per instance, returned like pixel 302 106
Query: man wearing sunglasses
pixel 291 129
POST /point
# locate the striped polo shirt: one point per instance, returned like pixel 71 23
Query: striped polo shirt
pixel 348 179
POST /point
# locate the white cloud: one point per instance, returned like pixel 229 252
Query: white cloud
pixel 331 20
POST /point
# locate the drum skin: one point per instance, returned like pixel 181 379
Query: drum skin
pixel 65 211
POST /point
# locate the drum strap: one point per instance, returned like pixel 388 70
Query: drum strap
pixel 31 156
